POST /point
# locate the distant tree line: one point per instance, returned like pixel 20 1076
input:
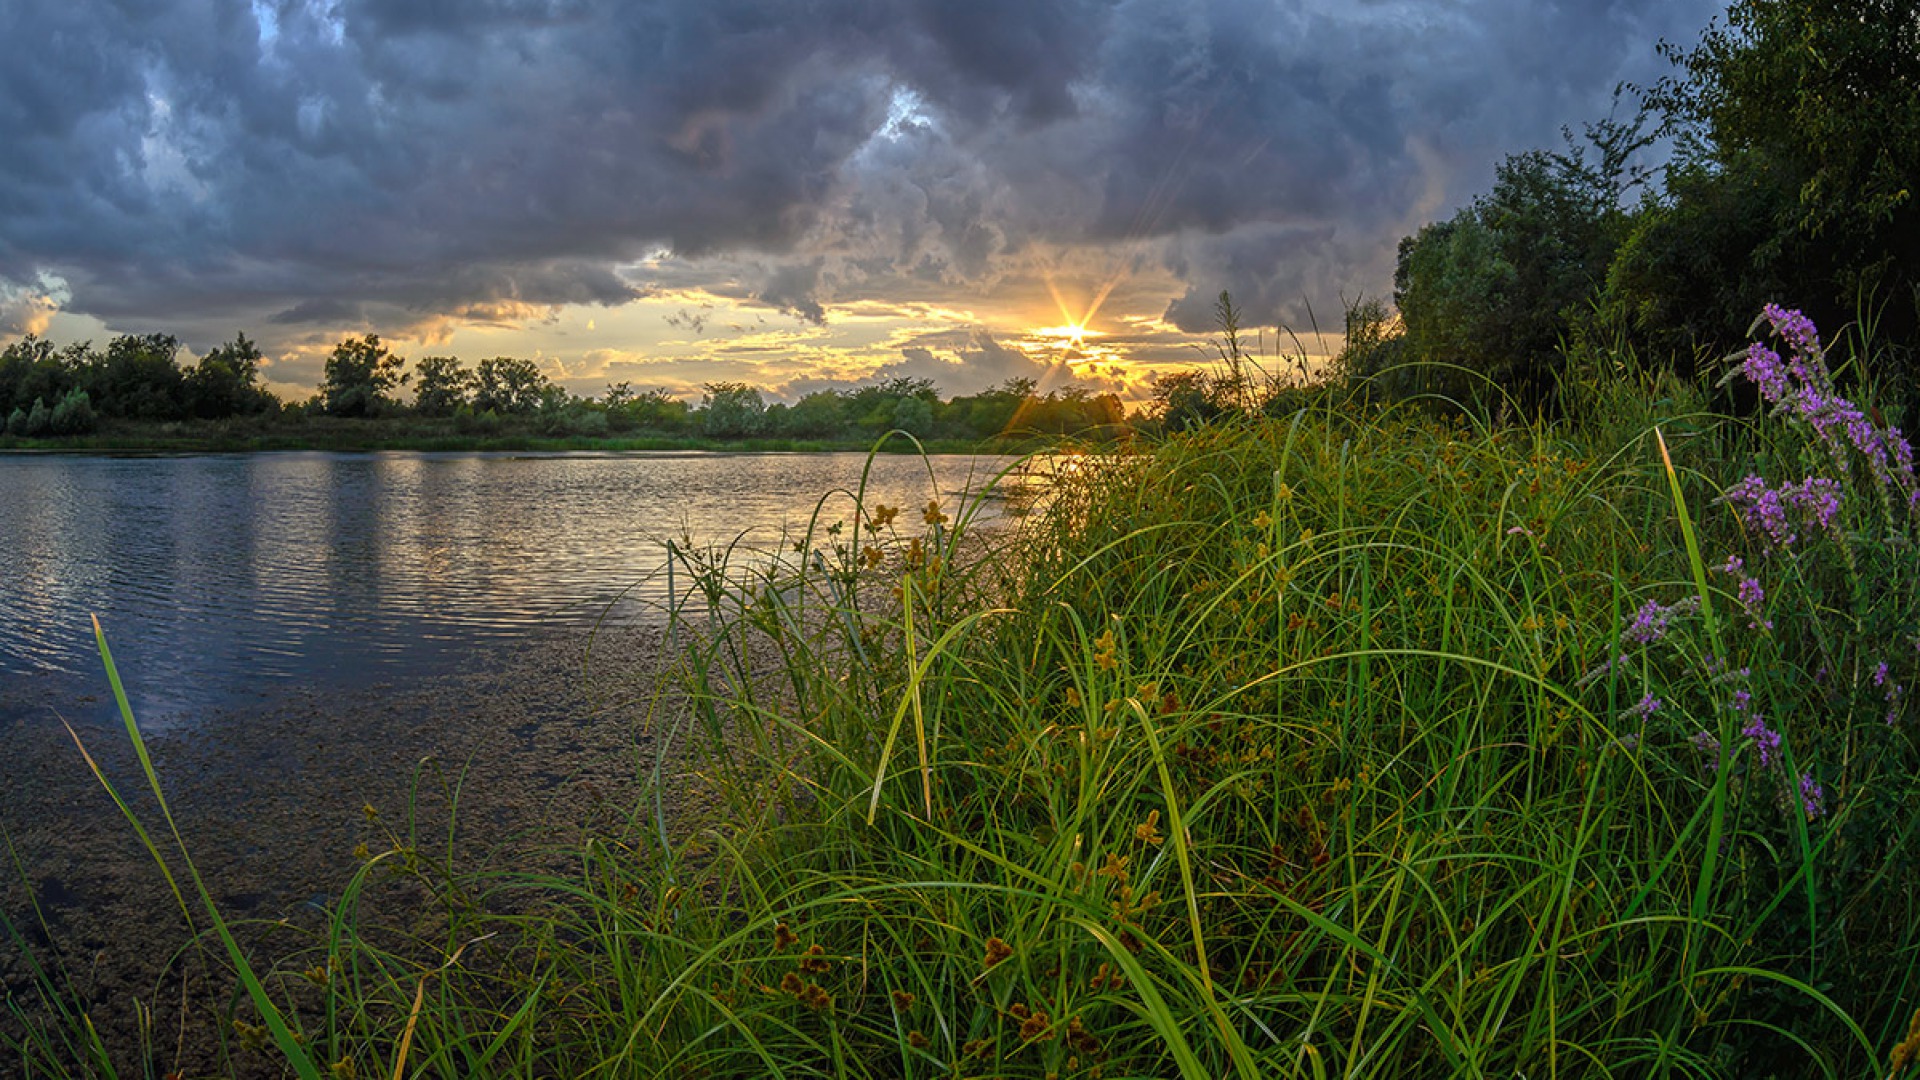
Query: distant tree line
pixel 1797 127
pixel 49 392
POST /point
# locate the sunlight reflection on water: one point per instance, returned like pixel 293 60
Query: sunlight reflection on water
pixel 216 574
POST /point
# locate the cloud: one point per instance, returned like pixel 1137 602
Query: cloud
pixel 29 308
pixel 300 167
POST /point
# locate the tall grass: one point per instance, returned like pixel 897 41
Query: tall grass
pixel 1346 742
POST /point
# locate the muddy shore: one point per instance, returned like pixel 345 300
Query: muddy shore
pixel 537 743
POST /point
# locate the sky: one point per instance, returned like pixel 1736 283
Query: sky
pixel 797 194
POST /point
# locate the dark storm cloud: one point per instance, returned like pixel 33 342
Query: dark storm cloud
pixel 191 164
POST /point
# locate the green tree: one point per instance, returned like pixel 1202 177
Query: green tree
pixel 509 385
pixel 358 374
pixel 1185 400
pixel 1497 288
pixel 732 410
pixel 1800 121
pixel 440 385
pixel 819 415
pixel 226 382
pixel 28 369
pixel 73 416
pixel 138 378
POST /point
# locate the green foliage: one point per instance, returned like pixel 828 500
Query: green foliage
pixel 1802 126
pixel 226 382
pixel 39 420
pixel 510 386
pixel 440 385
pixel 73 416
pixel 732 410
pixel 1487 297
pixel 1372 352
pixel 818 415
pixel 359 373
pixel 138 378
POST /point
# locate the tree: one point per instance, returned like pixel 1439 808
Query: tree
pixel 914 416
pixel 819 415
pixel 358 374
pixel 73 416
pixel 440 385
pixel 1497 288
pixel 732 410
pixel 1801 125
pixel 226 382
pixel 507 384
pixel 1185 400
pixel 138 378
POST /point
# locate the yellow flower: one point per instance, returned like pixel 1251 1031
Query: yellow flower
pixel 933 516
pixel 883 516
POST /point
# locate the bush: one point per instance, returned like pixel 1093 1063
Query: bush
pixel 468 422
pixel 74 415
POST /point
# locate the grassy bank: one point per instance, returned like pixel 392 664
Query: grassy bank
pixel 1346 742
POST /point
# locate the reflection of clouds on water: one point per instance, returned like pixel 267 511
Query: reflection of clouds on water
pixel 215 574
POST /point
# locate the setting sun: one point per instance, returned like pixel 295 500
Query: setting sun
pixel 1074 334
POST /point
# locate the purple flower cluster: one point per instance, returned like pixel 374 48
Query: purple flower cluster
pixel 1652 621
pixel 1766 741
pixel 1812 796
pixel 1883 679
pixel 1802 388
pixel 1774 512
pixel 1647 707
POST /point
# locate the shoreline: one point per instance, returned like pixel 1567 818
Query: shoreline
pixel 520 750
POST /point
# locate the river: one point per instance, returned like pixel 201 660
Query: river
pixel 220 576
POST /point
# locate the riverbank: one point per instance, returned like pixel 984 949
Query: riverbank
pixel 527 751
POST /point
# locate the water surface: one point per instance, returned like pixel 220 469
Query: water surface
pixel 222 576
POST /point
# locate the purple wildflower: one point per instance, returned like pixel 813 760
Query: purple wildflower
pixel 1812 796
pixel 1647 706
pixel 1766 741
pixel 1760 508
pixel 1752 595
pixel 1651 622
pixel 1796 328
pixel 1880 674
pixel 1817 497
pixel 1762 368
